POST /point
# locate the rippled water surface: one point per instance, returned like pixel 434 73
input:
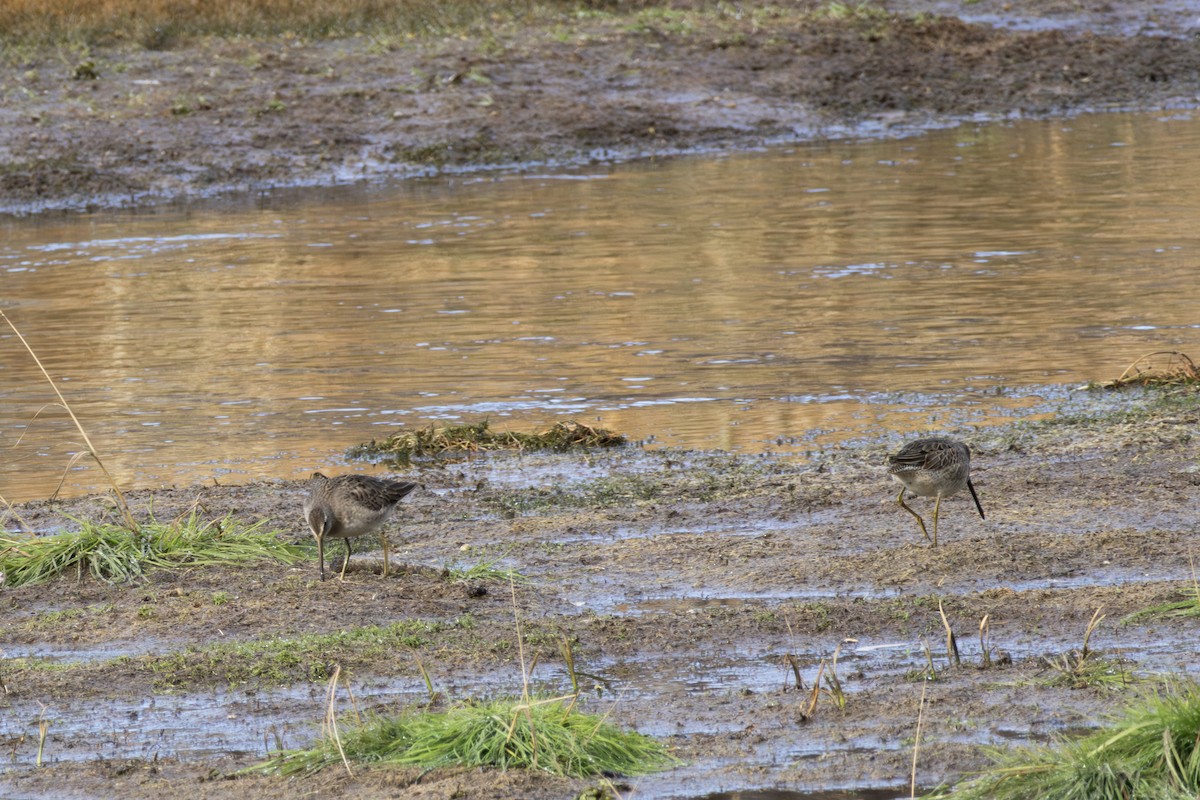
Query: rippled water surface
pixel 769 301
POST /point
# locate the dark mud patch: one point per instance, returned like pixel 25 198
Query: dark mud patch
pixel 682 603
pixel 212 116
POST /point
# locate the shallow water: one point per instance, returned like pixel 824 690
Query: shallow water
pixel 773 301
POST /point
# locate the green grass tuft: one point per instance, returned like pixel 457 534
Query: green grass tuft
pixel 1187 606
pixel 550 735
pixel 1151 750
pixel 115 554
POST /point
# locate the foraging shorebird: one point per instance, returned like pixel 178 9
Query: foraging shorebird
pixel 350 505
pixel 934 467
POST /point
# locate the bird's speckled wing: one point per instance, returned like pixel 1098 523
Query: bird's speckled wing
pixel 374 493
pixel 930 454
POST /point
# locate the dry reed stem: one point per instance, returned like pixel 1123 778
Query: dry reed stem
pixel 330 727
pixel 13 513
pixel 512 587
pixel 1097 618
pixel 791 659
pixel 985 632
pixel 125 512
pixel 951 642
pixel 917 740
pixel 815 693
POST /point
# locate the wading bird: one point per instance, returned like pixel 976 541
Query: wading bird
pixel 934 467
pixel 350 505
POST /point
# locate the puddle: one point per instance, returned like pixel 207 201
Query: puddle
pixel 776 304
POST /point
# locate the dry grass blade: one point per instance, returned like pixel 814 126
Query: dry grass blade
pixel 330 727
pixel 984 635
pixel 917 739
pixel 832 681
pixel 125 513
pixel 795 665
pixel 815 693
pixel 12 512
pixel 1179 370
pixel 951 642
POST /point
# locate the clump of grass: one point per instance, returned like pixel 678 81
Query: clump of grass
pixel 1150 750
pixel 403 446
pixel 1187 606
pixel 1085 668
pixel 114 554
pixel 547 734
pixel 484 571
pixel 1178 370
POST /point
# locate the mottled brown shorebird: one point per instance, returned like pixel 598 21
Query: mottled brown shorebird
pixel 934 467
pixel 350 505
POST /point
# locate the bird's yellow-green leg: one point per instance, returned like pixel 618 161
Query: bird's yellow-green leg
pixel 345 562
pixel 921 522
pixel 386 558
pixel 936 506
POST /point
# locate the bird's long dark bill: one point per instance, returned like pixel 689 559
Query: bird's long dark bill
pixel 975 497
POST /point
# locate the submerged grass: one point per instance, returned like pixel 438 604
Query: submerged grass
pixel 403 446
pixel 548 734
pixel 282 661
pixel 1150 751
pixel 115 554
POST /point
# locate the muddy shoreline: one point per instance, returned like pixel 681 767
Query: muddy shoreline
pixel 112 126
pixel 683 580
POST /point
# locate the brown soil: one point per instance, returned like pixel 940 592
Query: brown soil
pixel 684 582
pixel 122 125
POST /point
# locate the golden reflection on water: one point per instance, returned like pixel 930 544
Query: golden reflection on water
pixel 771 301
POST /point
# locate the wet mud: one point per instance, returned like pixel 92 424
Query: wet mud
pixel 687 583
pixel 692 587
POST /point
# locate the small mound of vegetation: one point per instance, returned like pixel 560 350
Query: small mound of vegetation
pixel 1151 750
pixel 402 446
pixel 284 660
pixel 549 735
pixel 1187 606
pixel 1152 370
pixel 114 554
